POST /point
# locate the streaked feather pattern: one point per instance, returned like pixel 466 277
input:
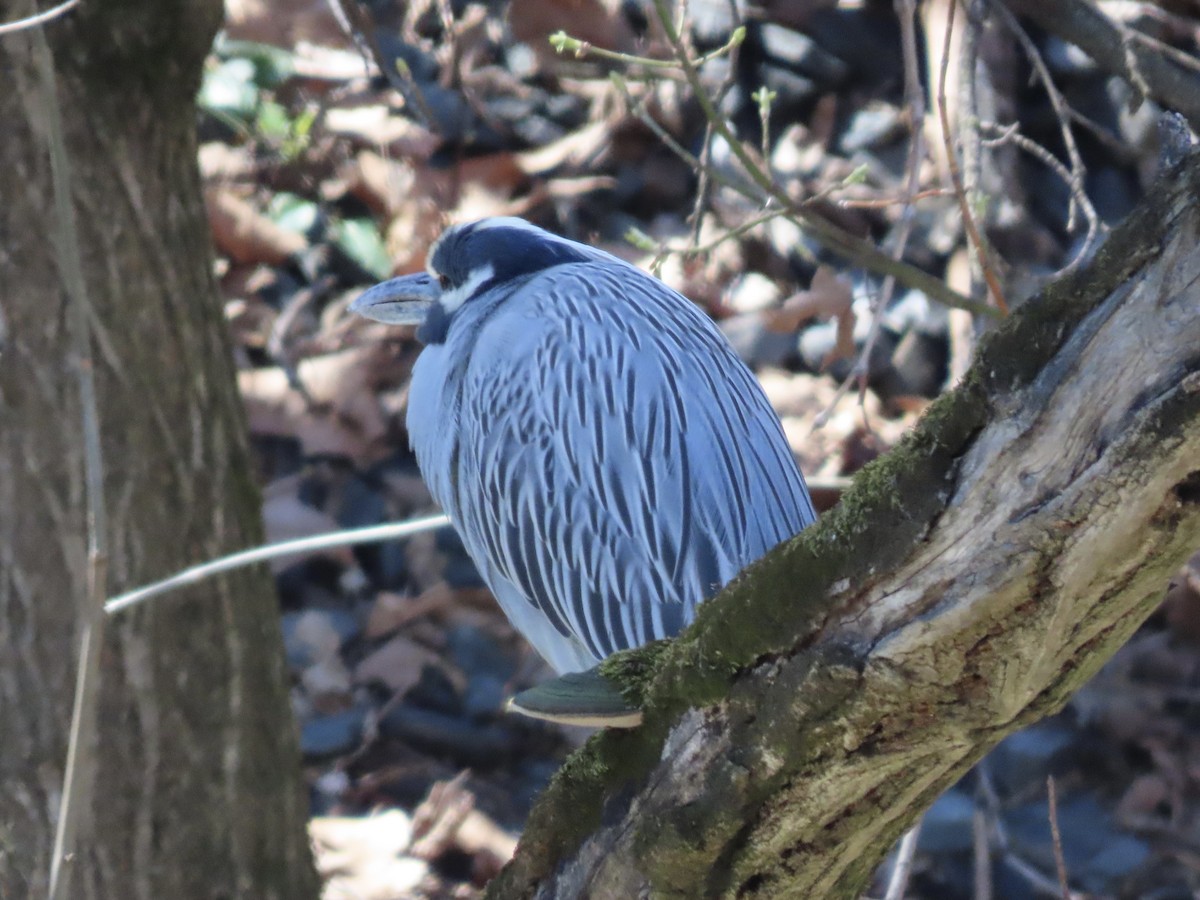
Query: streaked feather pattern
pixel 608 460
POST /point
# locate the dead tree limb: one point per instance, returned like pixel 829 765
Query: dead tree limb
pixel 966 586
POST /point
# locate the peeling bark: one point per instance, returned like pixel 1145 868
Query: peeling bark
pixel 969 583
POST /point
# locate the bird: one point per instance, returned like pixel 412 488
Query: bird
pixel 607 459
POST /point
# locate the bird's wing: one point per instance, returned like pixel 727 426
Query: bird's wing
pixel 616 461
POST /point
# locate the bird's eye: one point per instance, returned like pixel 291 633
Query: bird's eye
pixel 443 282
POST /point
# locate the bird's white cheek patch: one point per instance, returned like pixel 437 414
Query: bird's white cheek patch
pixel 452 299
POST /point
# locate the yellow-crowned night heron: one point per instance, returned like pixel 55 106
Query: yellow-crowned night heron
pixel 607 459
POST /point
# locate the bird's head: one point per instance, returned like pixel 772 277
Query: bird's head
pixel 465 263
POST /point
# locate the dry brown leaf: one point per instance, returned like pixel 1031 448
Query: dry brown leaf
pixel 500 173
pixel 377 127
pixel 320 63
pixel 420 199
pixel 223 162
pixel 438 817
pixel 327 686
pixel 389 186
pixel 284 23
pixel 390 610
pixel 398 664
pixel 343 417
pixel 381 183
pixel 828 297
pixel 245 280
pixel 447 820
pixel 478 201
pixel 360 858
pixel 570 151
pixel 244 234
pixel 248 320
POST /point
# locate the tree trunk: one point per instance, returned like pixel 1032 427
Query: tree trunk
pixel 197 790
pixel 966 586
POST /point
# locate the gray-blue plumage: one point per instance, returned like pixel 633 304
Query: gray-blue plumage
pixel 607 459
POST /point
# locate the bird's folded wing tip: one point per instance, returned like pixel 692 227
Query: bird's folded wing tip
pixel 581 698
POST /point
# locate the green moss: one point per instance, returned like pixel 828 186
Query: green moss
pixel 780 601
pixel 633 670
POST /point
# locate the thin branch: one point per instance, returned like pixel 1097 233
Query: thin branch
pixel 981 860
pixel 38 18
pixel 898 883
pixel 369 535
pixel 1060 862
pixel 1011 134
pixel 884 202
pixel 906 12
pixel 1081 23
pixel 75 824
pixel 974 237
pixel 704 179
pixel 1075 181
pixel 564 43
pixel 661 250
pixel 745 227
pixel 693 161
pixel 1078 170
pixel 857 250
pixel 1183 58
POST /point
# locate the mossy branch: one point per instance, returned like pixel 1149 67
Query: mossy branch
pixel 968 583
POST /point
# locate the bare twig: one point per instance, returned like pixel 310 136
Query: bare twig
pixel 1180 56
pixel 75 824
pixel 975 238
pixel 1078 170
pixel 1075 178
pixel 704 180
pixel 1081 23
pixel 564 43
pixel 277 340
pixel 356 22
pixel 38 19
pixel 661 250
pixel 982 854
pixel 902 870
pixel 747 226
pixel 370 535
pixel 1011 134
pixel 884 202
pixel 1036 879
pixel 1060 863
pixel 857 250
pixel 906 12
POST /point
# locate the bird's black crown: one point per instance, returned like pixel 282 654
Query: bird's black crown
pixel 510 246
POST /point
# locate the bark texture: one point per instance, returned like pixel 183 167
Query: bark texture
pixel 197 793
pixel 966 586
